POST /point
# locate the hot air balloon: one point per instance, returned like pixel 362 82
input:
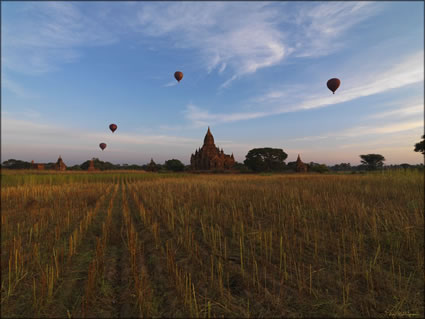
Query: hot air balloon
pixel 102 146
pixel 333 84
pixel 113 127
pixel 178 75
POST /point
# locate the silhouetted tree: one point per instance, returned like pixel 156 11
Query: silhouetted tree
pixel 372 161
pixel 241 168
pixel 174 165
pixel 16 164
pixel 420 147
pixel 316 167
pixel 74 168
pixel 98 164
pixel 265 159
pixel 342 167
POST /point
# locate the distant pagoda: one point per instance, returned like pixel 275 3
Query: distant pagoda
pixel 39 166
pixel 300 166
pixel 91 166
pixel 60 165
pixel 152 167
pixel 210 157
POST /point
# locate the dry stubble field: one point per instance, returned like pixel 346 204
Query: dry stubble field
pixel 134 244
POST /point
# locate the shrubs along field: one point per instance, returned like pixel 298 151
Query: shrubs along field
pixel 133 244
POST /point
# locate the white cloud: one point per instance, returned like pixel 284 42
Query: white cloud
pixel 320 25
pixel 365 130
pixel 16 88
pixel 172 83
pixel 200 117
pixel 24 113
pixel 18 129
pixel 383 129
pixel 408 71
pixel 401 112
pixel 244 38
pixel 235 39
pixel 47 34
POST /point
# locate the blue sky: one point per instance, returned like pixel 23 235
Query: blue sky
pixel 255 72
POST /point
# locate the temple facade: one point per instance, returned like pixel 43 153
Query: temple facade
pixel 39 166
pixel 152 167
pixel 210 157
pixel 60 165
pixel 91 166
pixel 300 166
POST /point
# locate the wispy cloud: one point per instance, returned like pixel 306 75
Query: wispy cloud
pixel 367 130
pixel 16 88
pixel 200 117
pixel 398 139
pixel 24 113
pixel 172 83
pixel 408 71
pixel 13 128
pixel 222 32
pixel 402 112
pixel 320 25
pixel 46 34
pixel 235 39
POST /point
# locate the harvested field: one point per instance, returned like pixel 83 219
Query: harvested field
pixel 132 244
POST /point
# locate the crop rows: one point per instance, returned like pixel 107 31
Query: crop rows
pixel 214 246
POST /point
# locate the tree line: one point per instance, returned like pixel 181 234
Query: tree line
pixel 265 159
pixel 170 165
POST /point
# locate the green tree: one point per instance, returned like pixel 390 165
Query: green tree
pixel 74 168
pixel 319 168
pixel 98 164
pixel 265 159
pixel 342 167
pixel 174 165
pixel 16 164
pixel 372 161
pixel 240 167
pixel 420 147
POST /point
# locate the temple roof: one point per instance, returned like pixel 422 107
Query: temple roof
pixel 299 159
pixel 209 139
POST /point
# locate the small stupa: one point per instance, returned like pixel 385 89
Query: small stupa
pixel 300 166
pixel 60 165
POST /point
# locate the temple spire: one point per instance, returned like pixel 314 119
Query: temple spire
pixel 209 139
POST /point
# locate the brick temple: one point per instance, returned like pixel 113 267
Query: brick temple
pixel 209 157
pixel 60 165
pixel 300 166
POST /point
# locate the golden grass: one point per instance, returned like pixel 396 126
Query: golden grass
pixel 214 245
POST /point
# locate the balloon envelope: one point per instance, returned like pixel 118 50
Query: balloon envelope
pixel 102 146
pixel 113 127
pixel 178 75
pixel 333 84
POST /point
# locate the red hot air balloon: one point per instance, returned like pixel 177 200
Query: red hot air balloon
pixel 113 127
pixel 102 146
pixel 333 84
pixel 178 75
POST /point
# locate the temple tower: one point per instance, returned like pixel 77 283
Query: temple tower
pixel 210 157
pixel 300 166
